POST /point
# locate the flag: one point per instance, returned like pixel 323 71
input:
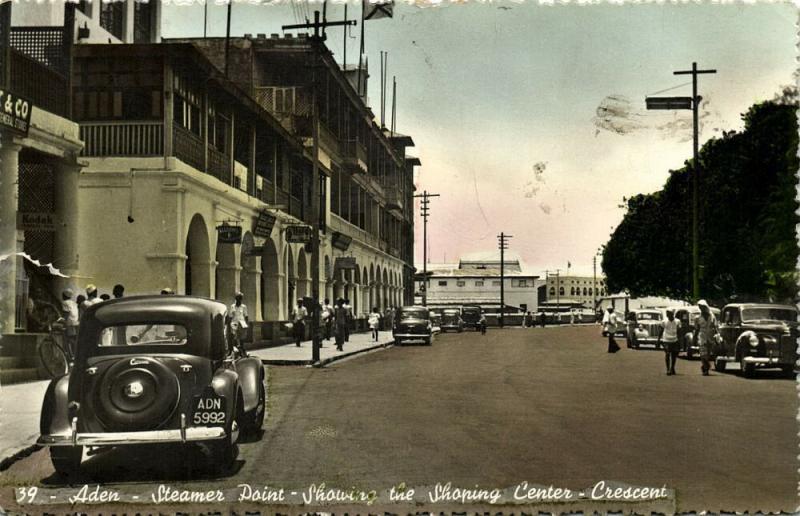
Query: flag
pixel 376 11
pixel 569 265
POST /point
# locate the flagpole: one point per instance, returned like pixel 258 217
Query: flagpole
pixel 361 49
pixel 344 41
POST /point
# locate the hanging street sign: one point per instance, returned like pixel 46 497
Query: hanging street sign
pixel 227 234
pixel 15 112
pixel 668 102
pixel 341 241
pixel 345 263
pixel 298 234
pixel 262 227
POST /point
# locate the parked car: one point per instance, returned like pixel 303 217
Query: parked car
pixel 644 327
pixel 153 369
pixel 451 320
pixel 687 315
pixel 471 315
pixel 758 335
pixel 412 323
pixel 436 320
pixel 621 328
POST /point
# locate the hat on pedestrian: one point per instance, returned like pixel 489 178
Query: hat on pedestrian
pixel 67 292
pixel 702 302
pixel 90 288
pixel 238 293
pixel 166 291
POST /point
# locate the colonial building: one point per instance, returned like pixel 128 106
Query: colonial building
pixel 574 291
pixel 475 280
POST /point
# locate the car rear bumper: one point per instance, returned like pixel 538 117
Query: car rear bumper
pixel 120 438
pixel 412 335
pixel 767 361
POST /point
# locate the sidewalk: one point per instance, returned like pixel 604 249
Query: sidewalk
pixel 20 405
pixel 289 354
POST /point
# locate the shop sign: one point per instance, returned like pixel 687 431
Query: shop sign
pixel 299 234
pixel 347 263
pixel 36 221
pixel 341 241
pixel 262 227
pixel 227 234
pixel 15 111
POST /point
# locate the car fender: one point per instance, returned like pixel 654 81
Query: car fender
pixel 226 384
pixel 251 375
pixel 54 417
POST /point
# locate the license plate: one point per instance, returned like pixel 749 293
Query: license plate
pixel 209 410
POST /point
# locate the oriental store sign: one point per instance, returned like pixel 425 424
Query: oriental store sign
pixel 228 234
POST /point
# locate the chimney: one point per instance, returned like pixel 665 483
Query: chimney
pixel 262 36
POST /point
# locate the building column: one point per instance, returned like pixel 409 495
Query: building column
pixel 66 238
pixel 9 236
pixel 355 299
pixel 274 283
pixel 250 279
pixel 229 282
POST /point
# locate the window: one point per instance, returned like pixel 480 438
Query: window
pixel 479 283
pixel 142 21
pixel 143 335
pixel 442 283
pixel 522 283
pixel 561 291
pixel 461 283
pixel 552 291
pixel 111 17
pixel 584 291
pixel 572 291
pixel 495 283
pixel 186 106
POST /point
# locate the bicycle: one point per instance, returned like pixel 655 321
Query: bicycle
pixel 55 353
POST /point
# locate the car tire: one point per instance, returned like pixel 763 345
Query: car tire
pixel 720 365
pixel 253 421
pixel 428 341
pixel 745 369
pixel 689 353
pixel 66 460
pixel 398 342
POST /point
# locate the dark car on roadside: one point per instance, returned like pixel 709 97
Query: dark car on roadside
pixel 412 323
pixel 758 335
pixel 451 320
pixel 153 370
pixel 471 316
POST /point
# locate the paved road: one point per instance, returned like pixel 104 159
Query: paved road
pixel 544 405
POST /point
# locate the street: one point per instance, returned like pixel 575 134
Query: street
pixel 548 406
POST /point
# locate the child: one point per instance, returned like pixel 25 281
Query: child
pixel 374 322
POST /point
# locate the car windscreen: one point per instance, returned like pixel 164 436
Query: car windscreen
pixel 413 314
pixel 146 334
pixel 648 316
pixel 762 313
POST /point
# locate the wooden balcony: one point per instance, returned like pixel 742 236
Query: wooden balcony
pixel 355 156
pixel 129 138
pixel 42 85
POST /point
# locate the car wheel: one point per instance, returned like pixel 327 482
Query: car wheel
pixel 428 341
pixel 628 343
pixel 635 344
pixel 689 353
pixel 398 342
pixel 746 369
pixel 66 460
pixel 720 365
pixel 255 419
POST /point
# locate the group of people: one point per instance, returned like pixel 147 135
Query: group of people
pixel 705 334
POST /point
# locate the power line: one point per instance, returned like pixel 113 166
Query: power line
pixel 503 245
pixel 425 196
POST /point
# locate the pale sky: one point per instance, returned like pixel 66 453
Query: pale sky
pixel 501 100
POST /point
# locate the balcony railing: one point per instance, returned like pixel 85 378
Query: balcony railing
pixel 219 165
pixel 188 147
pixel 144 138
pixel 355 155
pixel 42 85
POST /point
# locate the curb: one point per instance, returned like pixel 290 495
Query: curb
pixel 9 461
pixel 324 362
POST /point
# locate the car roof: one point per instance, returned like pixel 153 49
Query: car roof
pixel 761 305
pixel 154 308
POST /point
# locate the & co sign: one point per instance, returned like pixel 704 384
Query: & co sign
pixel 15 112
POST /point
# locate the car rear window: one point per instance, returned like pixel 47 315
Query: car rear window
pixel 648 316
pixel 417 313
pixel 149 334
pixel 768 313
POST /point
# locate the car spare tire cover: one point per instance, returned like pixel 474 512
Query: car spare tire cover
pixel 137 394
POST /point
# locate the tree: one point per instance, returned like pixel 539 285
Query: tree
pixel 747 214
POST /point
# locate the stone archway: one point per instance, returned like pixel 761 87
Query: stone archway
pixel 197 269
pixel 226 273
pixel 328 279
pixel 356 291
pixel 386 290
pixel 291 280
pixel 303 287
pixel 250 277
pixel 272 279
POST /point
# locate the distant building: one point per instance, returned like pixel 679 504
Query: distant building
pixel 475 280
pixel 574 291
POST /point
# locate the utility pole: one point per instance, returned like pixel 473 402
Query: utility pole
pixel 316 49
pixel 503 245
pixel 558 294
pixel 594 283
pixel 692 103
pixel 425 196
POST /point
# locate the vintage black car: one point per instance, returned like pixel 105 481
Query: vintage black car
pixel 451 320
pixel 412 323
pixel 644 327
pixel 471 315
pixel 153 369
pixel 758 335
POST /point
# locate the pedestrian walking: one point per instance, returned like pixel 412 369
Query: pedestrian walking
pixel 374 322
pixel 572 317
pixel 341 322
pixel 327 318
pixel 91 298
pixel 669 338
pixel 348 319
pixel 238 318
pixel 299 314
pixel 542 319
pixel 706 331
pixel 482 324
pixel 611 328
pixel 69 312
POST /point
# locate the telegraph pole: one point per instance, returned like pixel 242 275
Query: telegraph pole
pixel 694 72
pixel 425 196
pixel 594 283
pixel 316 49
pixel 503 245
